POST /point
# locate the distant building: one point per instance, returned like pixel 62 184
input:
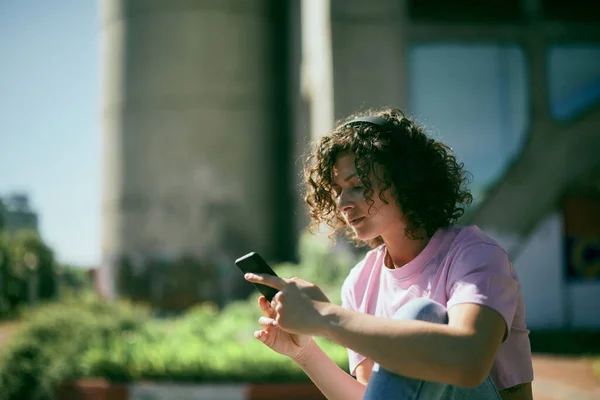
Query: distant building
pixel 16 213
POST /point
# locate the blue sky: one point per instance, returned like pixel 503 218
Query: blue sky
pixel 50 118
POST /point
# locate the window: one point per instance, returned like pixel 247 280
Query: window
pixel 473 98
pixel 574 79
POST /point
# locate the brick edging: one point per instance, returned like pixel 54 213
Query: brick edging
pixel 97 389
pixel 288 391
pixel 100 389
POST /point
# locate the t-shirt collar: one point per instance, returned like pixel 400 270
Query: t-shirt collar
pixel 419 262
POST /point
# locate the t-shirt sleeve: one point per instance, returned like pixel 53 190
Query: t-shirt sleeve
pixel 349 302
pixel 482 274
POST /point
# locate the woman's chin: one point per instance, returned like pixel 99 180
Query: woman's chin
pixel 365 235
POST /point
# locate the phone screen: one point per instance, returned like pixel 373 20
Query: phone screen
pixel 254 263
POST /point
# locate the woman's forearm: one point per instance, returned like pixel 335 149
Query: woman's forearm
pixel 415 349
pixel 331 380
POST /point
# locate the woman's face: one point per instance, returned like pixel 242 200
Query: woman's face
pixel 367 221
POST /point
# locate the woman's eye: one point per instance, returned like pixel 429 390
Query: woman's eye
pixel 359 187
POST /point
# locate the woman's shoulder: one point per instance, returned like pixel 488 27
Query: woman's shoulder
pixel 474 250
pixel 472 236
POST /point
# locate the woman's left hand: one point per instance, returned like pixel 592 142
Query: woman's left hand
pixel 298 304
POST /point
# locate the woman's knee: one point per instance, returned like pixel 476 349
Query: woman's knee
pixel 422 309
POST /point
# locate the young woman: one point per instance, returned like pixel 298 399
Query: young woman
pixel 434 310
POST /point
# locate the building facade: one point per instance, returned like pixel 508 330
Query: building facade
pixel 16 214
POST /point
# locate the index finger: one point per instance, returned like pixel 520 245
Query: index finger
pixel 267 280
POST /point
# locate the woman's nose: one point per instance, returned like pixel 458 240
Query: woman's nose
pixel 344 201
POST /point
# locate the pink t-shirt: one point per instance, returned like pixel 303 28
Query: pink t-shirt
pixel 458 265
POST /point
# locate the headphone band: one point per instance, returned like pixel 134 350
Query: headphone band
pixel 382 122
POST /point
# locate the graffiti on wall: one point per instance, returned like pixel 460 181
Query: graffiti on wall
pixel 583 257
pixel 582 238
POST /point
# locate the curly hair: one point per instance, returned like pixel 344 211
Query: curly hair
pixel 426 180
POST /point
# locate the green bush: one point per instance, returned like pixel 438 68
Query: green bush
pixel 321 264
pixel 203 346
pixel 49 348
pixel 89 338
pixel 84 337
pixel 16 251
pixel 74 279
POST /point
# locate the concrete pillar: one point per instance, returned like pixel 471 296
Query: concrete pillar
pixel 194 133
pixel 369 53
pixel 317 69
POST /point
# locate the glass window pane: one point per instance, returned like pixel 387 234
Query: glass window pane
pixel 474 98
pixel 574 78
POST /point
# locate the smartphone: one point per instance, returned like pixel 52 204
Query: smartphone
pixel 254 263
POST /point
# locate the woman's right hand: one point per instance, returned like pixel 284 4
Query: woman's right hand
pixel 287 344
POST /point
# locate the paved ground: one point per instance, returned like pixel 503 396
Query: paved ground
pixel 563 377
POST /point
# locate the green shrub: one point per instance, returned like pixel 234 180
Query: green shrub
pixel 17 250
pixel 203 345
pixel 92 339
pixel 321 264
pixel 74 279
pixel 84 337
pixel 49 348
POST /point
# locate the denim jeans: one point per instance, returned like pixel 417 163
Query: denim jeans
pixel 384 385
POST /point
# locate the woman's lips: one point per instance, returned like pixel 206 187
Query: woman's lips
pixel 356 221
